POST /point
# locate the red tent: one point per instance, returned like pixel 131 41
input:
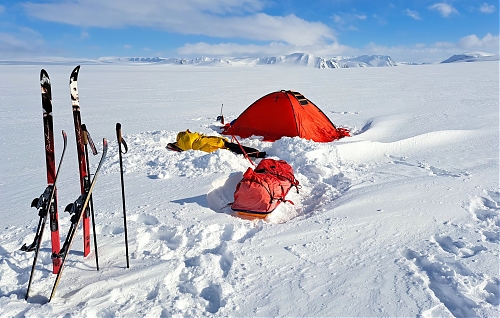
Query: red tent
pixel 284 113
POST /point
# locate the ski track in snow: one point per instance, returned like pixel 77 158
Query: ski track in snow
pixel 377 228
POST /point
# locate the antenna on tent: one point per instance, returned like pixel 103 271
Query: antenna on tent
pixel 221 117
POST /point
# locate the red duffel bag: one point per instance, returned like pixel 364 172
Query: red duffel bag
pixel 263 189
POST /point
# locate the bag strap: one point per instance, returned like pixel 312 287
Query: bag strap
pixel 266 186
pixel 243 150
pixel 293 180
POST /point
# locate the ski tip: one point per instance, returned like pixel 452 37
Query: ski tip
pixel 74 73
pixel 104 143
pixel 45 81
pixel 43 73
pixel 118 126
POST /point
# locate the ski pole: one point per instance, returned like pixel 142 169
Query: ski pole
pixel 121 142
pixel 77 209
pixel 87 140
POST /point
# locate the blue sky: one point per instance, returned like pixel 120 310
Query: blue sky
pixel 407 30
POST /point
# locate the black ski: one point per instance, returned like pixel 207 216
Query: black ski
pixel 44 204
pixel 82 166
pixel 77 209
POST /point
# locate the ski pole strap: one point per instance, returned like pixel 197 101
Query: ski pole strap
pixel 87 140
pixel 125 147
pixel 120 138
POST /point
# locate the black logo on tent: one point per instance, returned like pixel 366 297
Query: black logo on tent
pixel 302 100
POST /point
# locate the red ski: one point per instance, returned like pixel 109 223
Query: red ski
pixel 50 161
pixel 82 165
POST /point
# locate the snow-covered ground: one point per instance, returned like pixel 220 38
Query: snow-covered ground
pixel 401 219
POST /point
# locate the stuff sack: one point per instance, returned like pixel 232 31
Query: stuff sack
pixel 263 189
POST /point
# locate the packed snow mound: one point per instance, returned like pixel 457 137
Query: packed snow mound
pixel 472 57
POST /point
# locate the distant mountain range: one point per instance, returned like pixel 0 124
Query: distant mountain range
pixel 299 59
pixel 295 59
pixel 309 60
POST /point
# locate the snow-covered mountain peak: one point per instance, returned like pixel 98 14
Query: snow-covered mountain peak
pixel 472 57
pixel 294 59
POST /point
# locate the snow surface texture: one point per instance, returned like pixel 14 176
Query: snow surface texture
pixel 401 219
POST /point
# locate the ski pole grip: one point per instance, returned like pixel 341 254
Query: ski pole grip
pixel 119 132
pixel 121 141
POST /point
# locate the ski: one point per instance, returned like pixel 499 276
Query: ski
pixel 44 204
pixel 48 131
pixel 75 103
pixel 87 140
pixel 77 209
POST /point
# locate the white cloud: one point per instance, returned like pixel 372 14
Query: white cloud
pixel 127 46
pixel 84 35
pixel 253 50
pixel 218 6
pixel 347 21
pixel 290 29
pixel 444 9
pixel 436 52
pixel 215 18
pixel 21 41
pixel 338 19
pixel 418 52
pixel 473 43
pixel 2 9
pixel 412 14
pixel 380 20
pixel 486 8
